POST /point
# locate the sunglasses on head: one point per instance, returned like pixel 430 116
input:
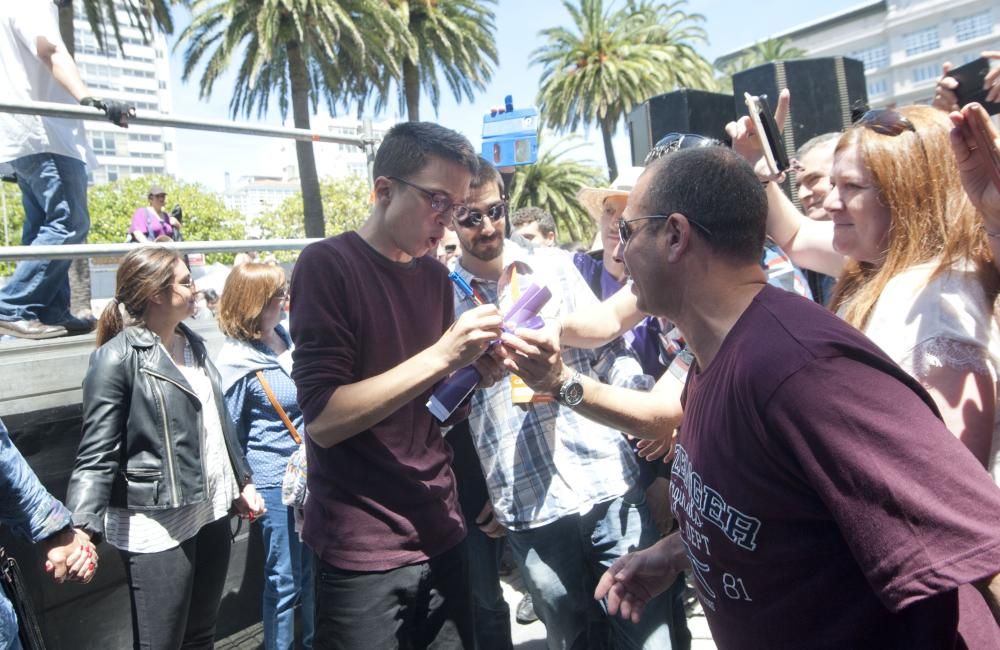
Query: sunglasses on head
pixel 885 121
pixel 625 229
pixel 473 218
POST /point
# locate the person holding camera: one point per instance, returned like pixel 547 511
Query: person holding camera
pixel 151 222
pixel 50 157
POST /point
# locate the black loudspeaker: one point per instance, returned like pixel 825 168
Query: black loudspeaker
pixel 827 95
pixel 680 111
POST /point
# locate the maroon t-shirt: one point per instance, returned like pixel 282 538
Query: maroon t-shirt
pixel 821 500
pixel 384 498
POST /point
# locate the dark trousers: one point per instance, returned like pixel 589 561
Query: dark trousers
pixel 424 605
pixel 176 593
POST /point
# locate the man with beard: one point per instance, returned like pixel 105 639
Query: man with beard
pixel 563 486
pixel 372 322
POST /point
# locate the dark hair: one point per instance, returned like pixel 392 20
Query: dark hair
pixel 210 295
pixel 717 188
pixel 486 174
pixel 531 214
pixel 143 273
pixel 406 147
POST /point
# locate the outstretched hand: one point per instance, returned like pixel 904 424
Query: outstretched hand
pixel 978 161
pixel 945 97
pixel 747 142
pixel 535 357
pixel 635 579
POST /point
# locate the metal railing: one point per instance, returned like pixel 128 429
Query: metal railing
pixel 366 141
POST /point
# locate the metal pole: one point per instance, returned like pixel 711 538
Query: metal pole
pixel 74 251
pixel 51 109
pixel 369 141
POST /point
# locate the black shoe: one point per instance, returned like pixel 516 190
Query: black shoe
pixel 76 325
pixel 31 329
pixel 525 613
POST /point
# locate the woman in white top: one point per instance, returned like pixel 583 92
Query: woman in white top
pixel 160 468
pixel 915 271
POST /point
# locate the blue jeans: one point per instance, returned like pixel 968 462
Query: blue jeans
pixel 288 576
pixel 54 194
pixel 561 563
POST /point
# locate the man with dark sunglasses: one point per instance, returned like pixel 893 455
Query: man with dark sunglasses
pixel 373 323
pixel 564 487
pixel 819 497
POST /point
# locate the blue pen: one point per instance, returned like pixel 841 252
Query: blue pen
pixel 464 287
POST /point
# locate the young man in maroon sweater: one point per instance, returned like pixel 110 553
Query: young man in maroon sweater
pixel 372 324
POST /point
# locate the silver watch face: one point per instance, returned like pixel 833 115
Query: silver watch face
pixel 572 393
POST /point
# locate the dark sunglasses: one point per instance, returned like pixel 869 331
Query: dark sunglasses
pixel 625 230
pixel 674 141
pixel 885 121
pixel 473 218
pixel 439 201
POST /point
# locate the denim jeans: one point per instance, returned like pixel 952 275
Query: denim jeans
pixel 54 194
pixel 176 593
pixel 562 562
pixel 288 576
pixel 425 605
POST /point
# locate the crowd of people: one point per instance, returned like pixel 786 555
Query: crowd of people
pixel 794 412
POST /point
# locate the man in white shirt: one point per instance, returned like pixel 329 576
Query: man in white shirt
pixel 49 156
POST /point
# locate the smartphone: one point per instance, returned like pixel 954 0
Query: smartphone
pixel 970 89
pixel 983 133
pixel 770 137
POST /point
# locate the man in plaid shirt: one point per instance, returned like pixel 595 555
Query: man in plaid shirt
pixel 564 487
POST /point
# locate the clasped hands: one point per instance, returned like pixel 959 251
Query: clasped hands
pixel 533 355
pixel 70 555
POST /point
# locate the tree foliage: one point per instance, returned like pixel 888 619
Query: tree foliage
pixel 766 51
pixel 611 60
pixel 552 184
pixel 146 15
pixel 451 38
pixel 346 204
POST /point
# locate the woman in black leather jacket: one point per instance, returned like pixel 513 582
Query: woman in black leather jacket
pixel 159 467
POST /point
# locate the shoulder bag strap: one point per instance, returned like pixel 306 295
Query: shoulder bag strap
pixel 277 407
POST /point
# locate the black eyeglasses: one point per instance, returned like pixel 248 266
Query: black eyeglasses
pixel 440 202
pixel 625 230
pixel 473 218
pixel 280 294
pixel 885 121
pixel 189 285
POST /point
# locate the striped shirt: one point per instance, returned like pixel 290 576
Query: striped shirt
pixel 151 531
pixel 545 461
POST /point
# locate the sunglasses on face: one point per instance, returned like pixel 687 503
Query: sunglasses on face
pixel 625 230
pixel 439 201
pixel 885 121
pixel 473 218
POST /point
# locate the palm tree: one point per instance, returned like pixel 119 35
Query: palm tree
pixel 766 51
pixel 552 184
pixel 298 49
pixel 453 38
pixel 144 14
pixel 613 60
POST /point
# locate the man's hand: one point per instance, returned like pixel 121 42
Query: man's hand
pixel 118 112
pixel 945 98
pixel 491 368
pixel 747 142
pixel 70 555
pixel 977 161
pixel 249 505
pixel 487 522
pixel 535 357
pixel 468 337
pixel 663 448
pixel 635 579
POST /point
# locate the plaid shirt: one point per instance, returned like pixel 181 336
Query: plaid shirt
pixel 544 461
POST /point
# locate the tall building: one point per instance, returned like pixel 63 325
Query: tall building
pixel 252 196
pixel 137 72
pixel 902 43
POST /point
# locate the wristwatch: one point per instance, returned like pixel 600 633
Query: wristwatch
pixel 571 392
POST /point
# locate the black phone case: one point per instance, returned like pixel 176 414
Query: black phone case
pixel 773 135
pixel 970 84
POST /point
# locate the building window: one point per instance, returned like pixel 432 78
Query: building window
pixel 974 26
pixel 925 40
pixel 873 57
pixel 927 72
pixel 877 87
pixel 103 143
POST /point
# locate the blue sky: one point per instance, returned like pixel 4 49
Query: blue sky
pixel 205 157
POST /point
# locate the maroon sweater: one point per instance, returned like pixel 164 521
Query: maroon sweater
pixel 384 498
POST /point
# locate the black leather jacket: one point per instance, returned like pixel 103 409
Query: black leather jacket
pixel 142 431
